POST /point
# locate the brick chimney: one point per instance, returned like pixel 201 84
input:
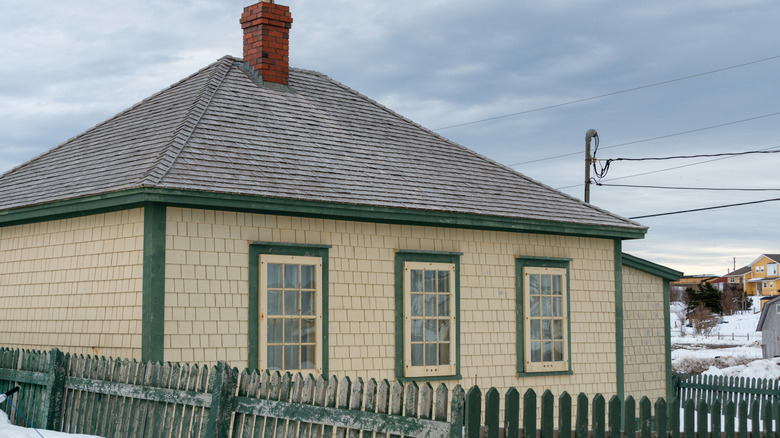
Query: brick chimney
pixel 266 40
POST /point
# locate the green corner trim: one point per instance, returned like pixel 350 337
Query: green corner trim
pixel 670 389
pixel 522 262
pixel 651 268
pixel 291 249
pixel 620 377
pixel 401 257
pixel 257 204
pixel 153 302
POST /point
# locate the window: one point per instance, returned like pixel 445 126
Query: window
pixel 756 268
pixel 543 316
pixel 427 321
pixel 771 269
pixel 288 307
pixel 289 317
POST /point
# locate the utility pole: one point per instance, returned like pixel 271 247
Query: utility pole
pixel 588 161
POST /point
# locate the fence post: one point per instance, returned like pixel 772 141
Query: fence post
pixel 222 400
pixel 55 393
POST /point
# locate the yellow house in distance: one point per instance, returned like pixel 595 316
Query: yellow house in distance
pixel 762 278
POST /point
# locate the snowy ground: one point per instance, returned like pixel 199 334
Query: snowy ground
pixel 732 349
pixel 7 430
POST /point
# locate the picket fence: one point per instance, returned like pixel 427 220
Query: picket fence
pixel 725 389
pixel 123 398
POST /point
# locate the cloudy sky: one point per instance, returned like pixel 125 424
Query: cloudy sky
pixel 543 72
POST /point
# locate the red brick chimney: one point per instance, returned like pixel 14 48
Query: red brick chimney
pixel 266 40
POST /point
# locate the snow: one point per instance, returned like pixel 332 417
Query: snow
pixel 8 430
pixel 733 347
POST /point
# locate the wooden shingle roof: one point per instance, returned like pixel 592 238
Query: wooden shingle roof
pixel 219 131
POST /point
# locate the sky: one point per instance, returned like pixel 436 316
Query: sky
pixel 701 74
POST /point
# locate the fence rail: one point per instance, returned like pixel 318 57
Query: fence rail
pixel 123 398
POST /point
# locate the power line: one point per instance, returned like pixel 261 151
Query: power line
pixel 678 157
pixel 706 208
pixel 720 125
pixel 687 188
pixel 609 94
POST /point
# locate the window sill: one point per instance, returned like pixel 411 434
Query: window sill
pixel 428 378
pixel 545 373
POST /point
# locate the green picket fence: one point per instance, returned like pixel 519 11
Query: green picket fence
pixel 725 389
pixel 123 398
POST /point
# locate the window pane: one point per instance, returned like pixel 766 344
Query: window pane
pixel 417 354
pixel 547 351
pixel 292 331
pixel 534 305
pixel 558 351
pixel 444 305
pixel 291 280
pixel 558 329
pixel 444 281
pixel 557 308
pixel 274 331
pixel 307 277
pixel 444 354
pixel 545 284
pixel 431 355
pixel 417 330
pixel 308 357
pixel 536 331
pixel 557 284
pixel 430 304
pixel 417 304
pixel 291 359
pixel 533 284
pixel 416 280
pixel 275 357
pixel 308 330
pixel 536 351
pixel 546 329
pixel 430 281
pixel 431 331
pixel 546 310
pixel 307 302
pixel 444 330
pixel 274 302
pixel 291 302
pixel 274 276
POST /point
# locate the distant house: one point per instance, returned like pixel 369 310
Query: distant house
pixel 769 326
pixel 737 278
pixel 277 219
pixel 763 277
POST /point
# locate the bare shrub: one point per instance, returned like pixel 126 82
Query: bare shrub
pixel 702 320
pixel 728 301
pixel 682 317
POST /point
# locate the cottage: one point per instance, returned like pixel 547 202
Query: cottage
pixel 273 217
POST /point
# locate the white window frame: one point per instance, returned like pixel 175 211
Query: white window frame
pixel 265 259
pixel 771 269
pixel 411 370
pixel 531 366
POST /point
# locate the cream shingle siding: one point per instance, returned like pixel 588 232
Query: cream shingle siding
pixel 207 294
pixel 74 284
pixel 643 309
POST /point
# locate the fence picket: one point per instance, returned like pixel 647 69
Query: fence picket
pixel 645 418
pixel 512 413
pixel 412 395
pixel 755 413
pixel 330 401
pixel 529 414
pixel 426 401
pixel 614 417
pixel 715 425
pixel 356 403
pixel 743 419
pixel 598 416
pixel 284 396
pixel 730 414
pixel 688 412
pixel 661 421
pixel 492 418
pixel 630 415
pixel 702 410
pixel 767 417
pixel 564 416
pixel 383 401
pixel 442 402
pixel 473 412
pixel 548 415
pixel 307 398
pixel 581 428
pixel 674 417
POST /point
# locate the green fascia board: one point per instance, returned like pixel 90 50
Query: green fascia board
pixel 292 249
pixel 131 198
pixel 651 268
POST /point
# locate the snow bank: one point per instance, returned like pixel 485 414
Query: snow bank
pixel 761 369
pixel 7 430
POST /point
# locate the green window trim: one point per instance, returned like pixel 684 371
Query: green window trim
pixel 539 262
pixel 287 249
pixel 401 257
pixel 153 283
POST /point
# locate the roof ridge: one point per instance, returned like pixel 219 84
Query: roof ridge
pixel 110 119
pixel 470 151
pixel 170 153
